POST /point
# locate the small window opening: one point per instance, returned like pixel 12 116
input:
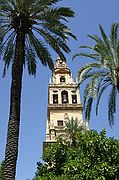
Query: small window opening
pixel 60 122
pixel 74 99
pixel 55 98
pixel 60 61
pixel 62 79
pixel 64 97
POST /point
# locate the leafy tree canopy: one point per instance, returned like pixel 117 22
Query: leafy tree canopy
pixel 94 157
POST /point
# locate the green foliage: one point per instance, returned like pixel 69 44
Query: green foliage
pixel 2 166
pixel 103 73
pixel 94 157
pixel 43 25
pixel 55 157
pixel 72 126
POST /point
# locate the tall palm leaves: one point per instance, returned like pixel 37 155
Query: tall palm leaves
pixel 41 23
pixel 72 127
pixel 28 28
pixel 103 73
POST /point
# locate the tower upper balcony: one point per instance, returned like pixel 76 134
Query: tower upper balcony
pixel 62 75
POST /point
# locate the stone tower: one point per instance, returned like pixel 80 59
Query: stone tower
pixel 63 101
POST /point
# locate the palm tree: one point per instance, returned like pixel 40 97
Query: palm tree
pixel 72 126
pixel 2 166
pixel 29 27
pixel 103 73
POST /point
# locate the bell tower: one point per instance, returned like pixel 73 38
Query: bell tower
pixel 63 101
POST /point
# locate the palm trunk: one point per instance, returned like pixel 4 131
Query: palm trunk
pixel 73 143
pixel 11 152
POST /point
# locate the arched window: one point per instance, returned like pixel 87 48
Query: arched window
pixel 64 95
pixel 62 79
pixel 55 98
pixel 74 99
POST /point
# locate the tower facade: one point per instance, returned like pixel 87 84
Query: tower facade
pixel 63 101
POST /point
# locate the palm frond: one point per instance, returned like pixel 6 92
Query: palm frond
pixel 114 42
pixel 101 48
pixel 108 43
pixel 90 91
pixel 8 52
pixel 72 126
pixel 86 69
pixel 86 75
pixel 114 33
pixel 48 2
pixel 104 36
pixel 88 109
pixel 5 7
pixel 93 84
pixel 30 57
pixel 5 33
pixel 112 106
pixel 117 49
pixel 53 14
pixel 92 56
pixel 85 95
pixel 75 55
pixel 41 51
pixel 57 28
pixel 102 74
pixel 96 38
pixel 86 47
pixel 62 12
pixel 99 97
pixel 69 33
pixel 81 76
pixel 31 61
pixel 54 41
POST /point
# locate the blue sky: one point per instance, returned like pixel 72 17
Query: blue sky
pixel 89 14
